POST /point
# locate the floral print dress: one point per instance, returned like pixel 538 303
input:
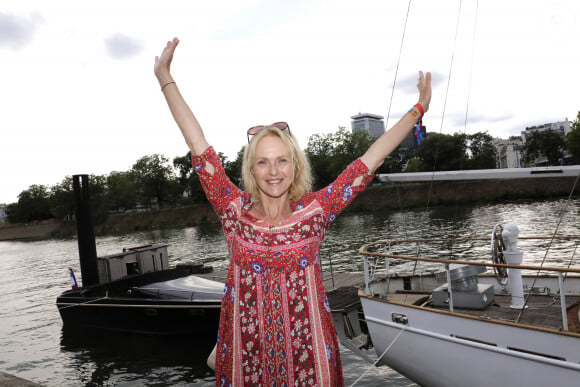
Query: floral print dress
pixel 275 327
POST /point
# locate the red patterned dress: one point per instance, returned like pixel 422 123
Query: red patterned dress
pixel 275 326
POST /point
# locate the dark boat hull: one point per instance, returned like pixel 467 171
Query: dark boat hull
pixel 117 306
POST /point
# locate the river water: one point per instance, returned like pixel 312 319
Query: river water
pixel 32 344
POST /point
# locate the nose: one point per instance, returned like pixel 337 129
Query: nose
pixel 273 169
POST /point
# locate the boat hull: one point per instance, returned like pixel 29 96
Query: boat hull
pixel 438 348
pixel 148 316
pixel 120 306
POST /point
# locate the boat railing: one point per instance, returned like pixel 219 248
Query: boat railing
pixel 373 249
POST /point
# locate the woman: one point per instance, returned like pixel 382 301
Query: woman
pixel 275 324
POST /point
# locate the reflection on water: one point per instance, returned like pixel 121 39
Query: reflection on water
pixel 33 346
pixel 114 359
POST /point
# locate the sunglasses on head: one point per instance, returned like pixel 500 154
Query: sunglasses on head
pixel 258 128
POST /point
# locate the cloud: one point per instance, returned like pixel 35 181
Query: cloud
pixel 121 46
pixel 260 17
pixel 16 32
pixel 408 84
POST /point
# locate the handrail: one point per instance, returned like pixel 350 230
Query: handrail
pixel 363 250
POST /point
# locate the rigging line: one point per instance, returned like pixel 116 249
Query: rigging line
pixel 549 246
pixel 398 62
pixel 444 103
pixel 380 357
pixel 468 91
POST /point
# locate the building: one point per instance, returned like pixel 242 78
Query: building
pixel 372 124
pixel 509 153
pixel 2 212
pixel 561 127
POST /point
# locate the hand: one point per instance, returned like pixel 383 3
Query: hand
pixel 424 87
pixel 162 67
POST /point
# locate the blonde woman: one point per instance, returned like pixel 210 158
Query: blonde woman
pixel 275 325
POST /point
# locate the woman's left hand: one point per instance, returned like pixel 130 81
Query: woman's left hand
pixel 424 87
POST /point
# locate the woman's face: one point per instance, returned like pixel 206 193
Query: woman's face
pixel 272 167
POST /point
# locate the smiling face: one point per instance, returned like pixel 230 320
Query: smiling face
pixel 272 168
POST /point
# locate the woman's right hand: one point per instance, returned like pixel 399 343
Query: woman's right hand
pixel 162 67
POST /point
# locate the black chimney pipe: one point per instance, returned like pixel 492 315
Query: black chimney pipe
pixel 85 233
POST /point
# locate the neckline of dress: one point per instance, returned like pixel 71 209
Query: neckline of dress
pixel 247 207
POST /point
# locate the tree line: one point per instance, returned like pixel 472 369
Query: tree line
pixel 155 182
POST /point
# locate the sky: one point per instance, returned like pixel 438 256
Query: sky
pixel 78 94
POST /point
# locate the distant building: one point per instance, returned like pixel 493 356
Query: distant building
pixel 509 153
pixel 561 127
pixel 2 212
pixel 372 124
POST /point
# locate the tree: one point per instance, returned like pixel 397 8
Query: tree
pixel 62 199
pixel 234 168
pixel 573 139
pixel 188 180
pixel 547 143
pixel 330 154
pixel 33 204
pixel 443 152
pixel 121 192
pixel 319 151
pixel 153 177
pixel 483 153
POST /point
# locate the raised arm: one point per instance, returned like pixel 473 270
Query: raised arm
pixel 384 145
pixel 184 117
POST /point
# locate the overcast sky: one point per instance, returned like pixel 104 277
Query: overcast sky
pixel 78 94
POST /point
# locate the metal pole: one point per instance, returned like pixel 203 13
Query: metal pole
pixel 562 301
pixel 85 233
pixel 449 290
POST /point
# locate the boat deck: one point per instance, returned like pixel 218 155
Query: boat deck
pixel 541 311
pixel 343 294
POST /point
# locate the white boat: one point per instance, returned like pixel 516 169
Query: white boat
pixel 519 328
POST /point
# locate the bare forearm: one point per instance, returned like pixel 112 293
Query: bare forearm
pixel 388 142
pixel 184 117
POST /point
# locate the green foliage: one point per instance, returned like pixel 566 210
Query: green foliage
pixel 62 199
pixel 330 153
pixel 547 143
pixel 152 176
pixel 153 180
pixel 188 180
pixel 121 191
pixel 483 152
pixel 573 139
pixel 33 204
pixel 234 168
pixel 443 152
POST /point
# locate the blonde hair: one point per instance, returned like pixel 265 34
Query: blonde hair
pixel 302 175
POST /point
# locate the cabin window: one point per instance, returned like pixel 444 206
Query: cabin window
pixel 132 268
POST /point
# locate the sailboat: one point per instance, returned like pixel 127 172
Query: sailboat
pixel 462 327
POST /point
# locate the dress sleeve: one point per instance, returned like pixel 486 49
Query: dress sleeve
pixel 219 189
pixel 337 195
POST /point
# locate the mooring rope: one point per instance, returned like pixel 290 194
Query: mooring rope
pixel 380 357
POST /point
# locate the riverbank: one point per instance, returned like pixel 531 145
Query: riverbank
pixel 375 198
